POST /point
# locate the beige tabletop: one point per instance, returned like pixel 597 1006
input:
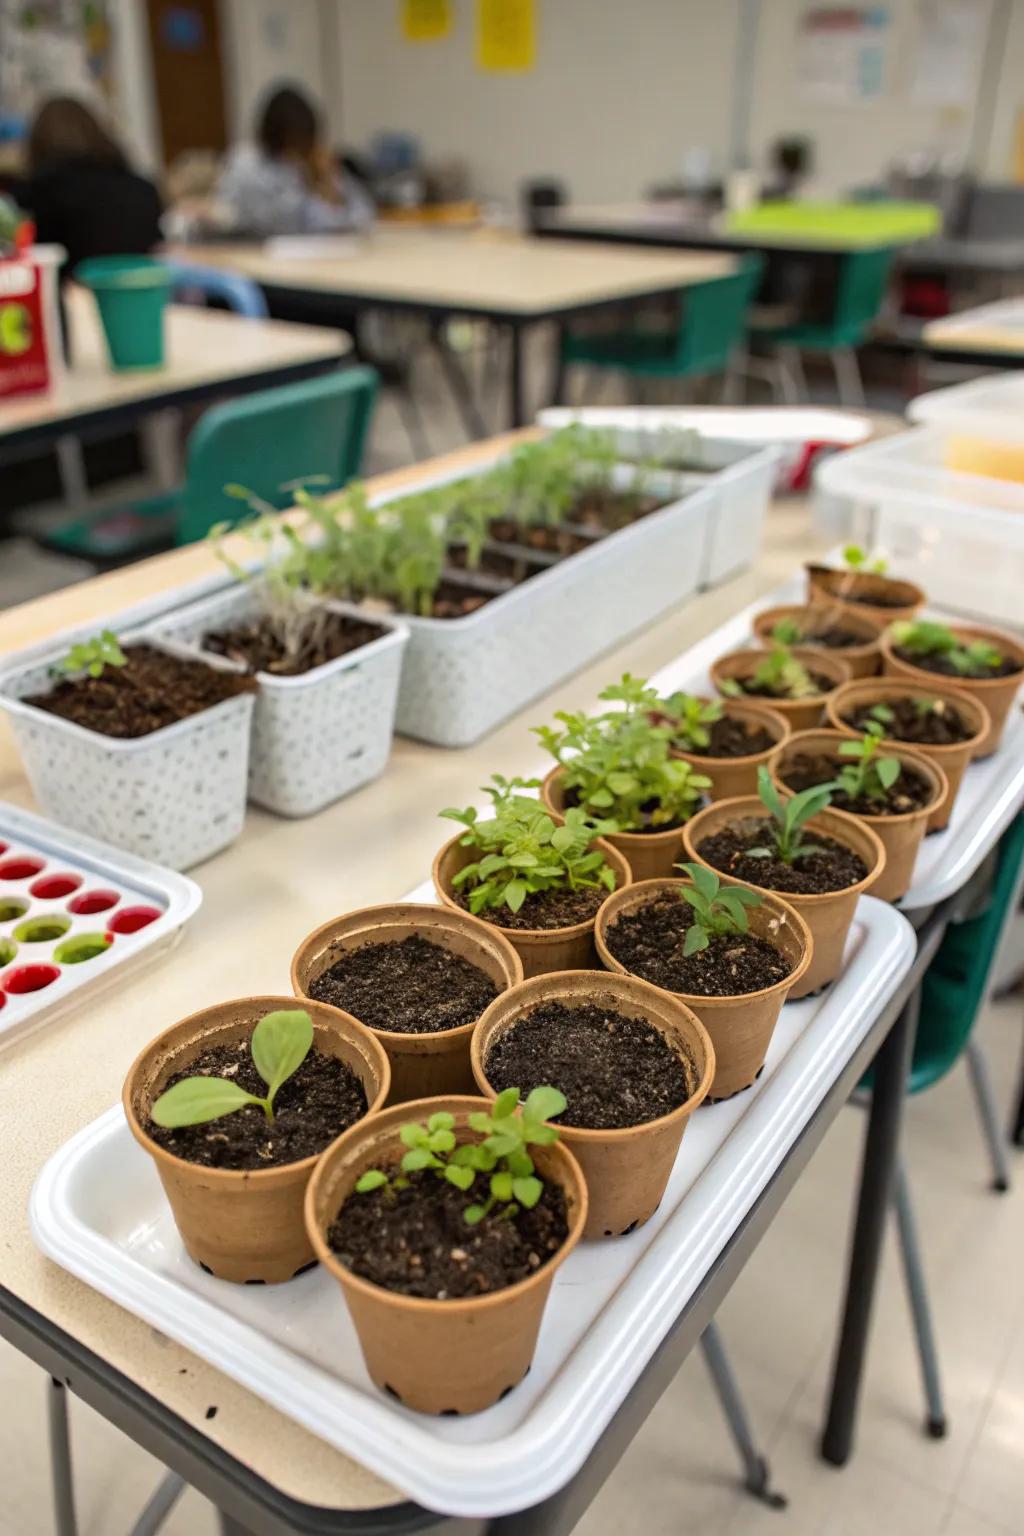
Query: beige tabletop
pixel 260 897
pixel 205 348
pixel 466 272
pixel 995 327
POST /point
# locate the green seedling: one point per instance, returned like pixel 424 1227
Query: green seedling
pixel 92 657
pixel 620 763
pixel 717 909
pixel 923 638
pixel 787 632
pixel 855 558
pixel 868 774
pixel 783 675
pixel 789 817
pixel 280 1044
pixel 882 714
pixel 525 851
pixel 499 1156
pixel 691 719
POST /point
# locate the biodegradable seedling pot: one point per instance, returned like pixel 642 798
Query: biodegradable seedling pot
pixel 801 714
pixel 649 854
pixel 540 950
pixel 244 1225
pixel 738 775
pixel 740 1027
pixel 825 585
pixel 827 915
pixel 953 759
pixel 421 1065
pixel 626 1170
pixel 863 659
pixel 455 1356
pixel 900 835
pixel 996 693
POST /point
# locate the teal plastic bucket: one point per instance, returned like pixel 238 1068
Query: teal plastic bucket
pixel 131 293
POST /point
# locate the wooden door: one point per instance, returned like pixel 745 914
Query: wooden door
pixel 188 75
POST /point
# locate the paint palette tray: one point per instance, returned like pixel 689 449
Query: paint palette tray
pixel 74 913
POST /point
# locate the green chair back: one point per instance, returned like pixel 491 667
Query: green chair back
pixel 267 439
pixel 713 318
pixel 863 276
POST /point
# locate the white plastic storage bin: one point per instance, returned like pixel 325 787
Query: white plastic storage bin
pixel 318 736
pixel 982 423
pixel 173 797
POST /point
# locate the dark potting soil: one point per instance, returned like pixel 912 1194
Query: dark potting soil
pixel 408 985
pixel 821 682
pixel 545 909
pixel 945 668
pixel 552 541
pixel 572 797
pixel 455 602
pixel 649 942
pixel 871 599
pixel 319 1101
pixel 940 726
pixel 733 738
pixel 151 690
pixel 499 564
pixel 610 510
pixel 259 649
pixel 834 636
pixel 831 870
pixel 909 793
pixel 615 1071
pixel 416 1241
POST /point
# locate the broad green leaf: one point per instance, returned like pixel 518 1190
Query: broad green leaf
pixel 501 1144
pixel 412 1135
pixel 515 894
pixel 888 771
pixel 371 1179
pixel 696 939
pixel 441 1121
pixel 505 1104
pixel 441 1141
pixel 473 1214
pixel 195 1100
pixel 459 1175
pixel 770 797
pixel 544 1103
pixel 417 1158
pixel 527 1191
pixel 280 1044
pixel 705 880
pixel 480 1122
pixel 501 1185
pixel 520 1164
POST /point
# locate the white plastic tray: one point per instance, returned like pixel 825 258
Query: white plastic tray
pixel 56 851
pixel 97 1209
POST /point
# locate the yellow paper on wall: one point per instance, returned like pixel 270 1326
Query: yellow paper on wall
pixel 506 34
pixel 423 20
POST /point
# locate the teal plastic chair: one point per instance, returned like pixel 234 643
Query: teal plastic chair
pixel 263 441
pixel 863 277
pixel 710 330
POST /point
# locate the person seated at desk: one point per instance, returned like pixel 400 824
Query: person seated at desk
pixel 287 183
pixel 80 189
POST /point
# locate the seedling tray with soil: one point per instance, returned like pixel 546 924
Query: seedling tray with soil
pixel 832 867
pixel 915 718
pixel 75 918
pixel 407 986
pixel 649 942
pixel 610 1305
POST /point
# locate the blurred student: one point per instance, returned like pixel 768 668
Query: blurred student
pixel 80 189
pixel 287 182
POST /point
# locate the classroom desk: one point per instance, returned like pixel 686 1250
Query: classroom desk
pixel 683 224
pixel 511 280
pixel 209 353
pixel 991 335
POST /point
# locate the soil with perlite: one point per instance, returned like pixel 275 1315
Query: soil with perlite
pixel 909 793
pixel 615 1071
pixel 544 909
pixel 833 867
pixel 730 738
pixel 409 986
pixel 319 1101
pixel 416 1241
pixel 649 942
pixel 258 645
pixel 943 667
pixel 917 720
pixel 151 690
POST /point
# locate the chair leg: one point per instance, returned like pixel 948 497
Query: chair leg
pixel 160 1505
pixel 919 1307
pixel 848 378
pixel 985 1099
pixel 784 383
pixel 74 482
pixel 756 1473
pixel 412 420
pixel 64 1518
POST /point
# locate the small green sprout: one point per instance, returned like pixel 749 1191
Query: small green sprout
pixel 783 675
pixel 500 1156
pixel 868 775
pixel 93 656
pixel 789 818
pixel 280 1044
pixel 882 713
pixel 717 909
pixel 857 559
pixel 691 718
pixel 923 638
pixel 787 632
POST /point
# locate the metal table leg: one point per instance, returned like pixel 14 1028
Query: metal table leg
pixel 881 1146
pixel 64 1519
pixel 516 407
pixel 756 1472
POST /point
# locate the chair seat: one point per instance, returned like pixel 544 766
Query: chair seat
pixel 115 535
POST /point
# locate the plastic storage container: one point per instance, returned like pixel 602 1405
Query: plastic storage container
pixel 983 422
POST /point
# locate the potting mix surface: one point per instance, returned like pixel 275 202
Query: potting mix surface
pixel 821 683
pixel 943 667
pixel 544 909
pixel 615 1071
pixel 833 868
pixel 416 1240
pixel 834 636
pixel 915 719
pixel 731 738
pixel 649 942
pixel 409 986
pixel 319 1101
pixel 909 793
pixel 259 647
pixel 151 690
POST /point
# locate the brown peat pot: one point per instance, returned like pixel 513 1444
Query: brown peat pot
pixel 740 1027
pixel 540 950
pixel 626 1170
pixel 863 659
pixel 738 775
pixel 243 1225
pixel 648 854
pixel 456 1356
pixel 425 1064
pixel 996 693
pixel 800 713
pixel 858 592
pixel 846 701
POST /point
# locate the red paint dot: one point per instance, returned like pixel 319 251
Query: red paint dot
pixel 131 919
pixel 4 847
pixel 52 887
pixel 3 999
pixel 30 978
pixel 20 869
pixel 93 901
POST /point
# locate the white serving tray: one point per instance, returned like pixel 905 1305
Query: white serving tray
pixel 94 866
pixel 98 1210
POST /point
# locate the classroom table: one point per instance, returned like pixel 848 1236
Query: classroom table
pixel 266 1474
pixel 510 280
pixel 684 223
pixel 992 335
pixel 210 353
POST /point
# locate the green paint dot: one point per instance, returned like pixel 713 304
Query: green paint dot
pixel 9 910
pixel 8 950
pixel 42 930
pixel 84 946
